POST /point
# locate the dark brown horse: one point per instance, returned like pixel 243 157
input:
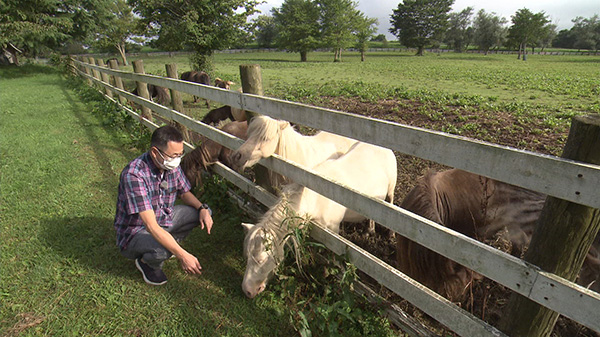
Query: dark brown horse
pixel 158 94
pixel 217 115
pixel 210 152
pixel 196 77
pixel 478 207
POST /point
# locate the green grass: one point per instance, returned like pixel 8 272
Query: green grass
pixel 61 273
pixel 562 85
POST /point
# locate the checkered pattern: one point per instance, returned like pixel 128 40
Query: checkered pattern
pixel 142 187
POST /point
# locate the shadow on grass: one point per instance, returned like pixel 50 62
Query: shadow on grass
pixel 100 147
pixel 11 71
pixel 209 304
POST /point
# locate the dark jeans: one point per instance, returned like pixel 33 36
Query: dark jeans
pixel 143 244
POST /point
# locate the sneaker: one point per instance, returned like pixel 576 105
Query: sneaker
pixel 152 276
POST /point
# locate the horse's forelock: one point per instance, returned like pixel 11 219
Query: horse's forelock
pixel 263 128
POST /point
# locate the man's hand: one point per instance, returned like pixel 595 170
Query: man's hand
pixel 190 264
pixel 206 220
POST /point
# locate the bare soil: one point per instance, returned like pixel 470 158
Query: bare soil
pixel 484 298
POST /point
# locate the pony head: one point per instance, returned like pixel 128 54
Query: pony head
pixel 261 250
pixel 264 134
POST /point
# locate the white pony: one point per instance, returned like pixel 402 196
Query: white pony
pixel 267 136
pixel 366 168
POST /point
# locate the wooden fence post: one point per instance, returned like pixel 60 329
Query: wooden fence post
pixel 562 238
pixel 94 72
pixel 142 88
pixel 251 78
pixel 176 100
pixel 72 67
pixel 87 71
pixel 114 65
pixel 105 78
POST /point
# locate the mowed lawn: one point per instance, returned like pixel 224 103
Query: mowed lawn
pixel 60 272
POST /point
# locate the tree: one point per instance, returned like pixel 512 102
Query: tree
pixel 418 23
pixel 586 32
pixel 459 34
pixel 365 30
pixel 199 25
pixel 488 30
pixel 547 36
pixel 297 24
pixel 118 28
pixel 38 26
pixel 339 20
pixel 564 39
pixel 265 31
pixel 379 38
pixel 527 28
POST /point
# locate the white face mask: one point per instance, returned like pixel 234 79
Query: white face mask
pixel 169 163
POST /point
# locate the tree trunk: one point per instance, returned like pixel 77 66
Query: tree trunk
pixel 337 55
pixel 362 56
pixel 303 56
pixel 121 49
pixel 420 51
pixel 202 62
pixel 524 52
pixel 519 53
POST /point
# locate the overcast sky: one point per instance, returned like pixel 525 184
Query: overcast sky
pixel 561 12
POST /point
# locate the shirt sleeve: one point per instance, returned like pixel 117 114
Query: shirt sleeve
pixel 183 185
pixel 136 194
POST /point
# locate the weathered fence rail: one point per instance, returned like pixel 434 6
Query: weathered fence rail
pixel 564 179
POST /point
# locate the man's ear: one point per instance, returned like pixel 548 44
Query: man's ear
pixel 247 226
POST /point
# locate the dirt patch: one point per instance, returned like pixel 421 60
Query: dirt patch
pixel 24 321
pixel 484 298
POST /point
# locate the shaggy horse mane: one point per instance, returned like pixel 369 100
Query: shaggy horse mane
pixel 279 219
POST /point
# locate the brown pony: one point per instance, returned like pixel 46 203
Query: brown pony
pixel 217 115
pixel 478 207
pixel 197 77
pixel 158 94
pixel 210 152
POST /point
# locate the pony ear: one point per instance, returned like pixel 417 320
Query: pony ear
pixel 283 124
pixel 247 226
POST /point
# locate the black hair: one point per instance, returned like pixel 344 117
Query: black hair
pixel 165 134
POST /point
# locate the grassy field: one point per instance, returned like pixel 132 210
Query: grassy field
pixel 61 273
pixel 543 84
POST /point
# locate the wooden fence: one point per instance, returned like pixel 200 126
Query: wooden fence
pixel 564 179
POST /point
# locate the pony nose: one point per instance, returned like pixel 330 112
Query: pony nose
pixel 249 293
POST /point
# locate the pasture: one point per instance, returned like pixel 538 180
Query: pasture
pixel 544 83
pixel 62 244
pixel 61 272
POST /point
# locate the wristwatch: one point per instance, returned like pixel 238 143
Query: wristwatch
pixel 205 206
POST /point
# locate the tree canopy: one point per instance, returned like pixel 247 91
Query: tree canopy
pixel 339 21
pixel 119 27
pixel 36 26
pixel 297 23
pixel 527 28
pixel 199 25
pixel 265 31
pixel 488 30
pixel 459 33
pixel 418 23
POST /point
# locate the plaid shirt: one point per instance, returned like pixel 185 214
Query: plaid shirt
pixel 140 190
